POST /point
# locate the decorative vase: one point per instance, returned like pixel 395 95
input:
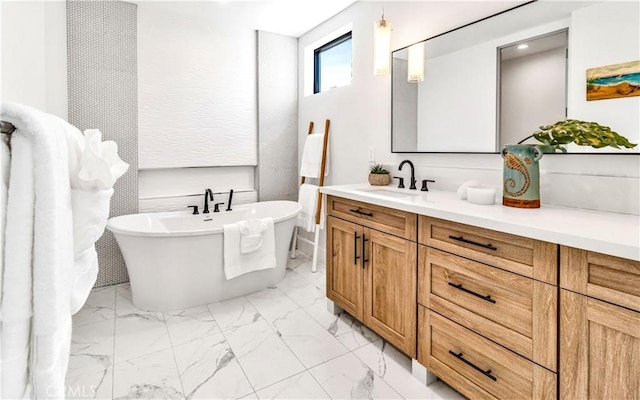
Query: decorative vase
pixel 379 179
pixel 521 176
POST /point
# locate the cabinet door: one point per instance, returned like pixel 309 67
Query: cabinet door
pixel 599 349
pixel 390 288
pixel 344 269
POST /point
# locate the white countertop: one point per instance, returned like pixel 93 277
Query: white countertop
pixel 603 232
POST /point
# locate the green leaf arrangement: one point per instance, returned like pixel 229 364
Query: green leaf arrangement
pixel 582 133
pixel 378 169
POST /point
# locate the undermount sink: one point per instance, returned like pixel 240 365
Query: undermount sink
pixel 388 193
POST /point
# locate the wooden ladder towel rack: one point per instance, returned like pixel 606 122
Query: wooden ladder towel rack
pixel 323 166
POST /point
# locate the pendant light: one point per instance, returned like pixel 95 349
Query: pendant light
pixel 381 46
pixel 415 70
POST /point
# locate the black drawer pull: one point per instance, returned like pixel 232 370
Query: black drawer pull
pixel 355 248
pixel 461 239
pixel 486 373
pixel 368 214
pixel 487 297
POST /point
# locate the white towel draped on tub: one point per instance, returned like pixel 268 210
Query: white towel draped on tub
pixel 251 233
pixel 235 262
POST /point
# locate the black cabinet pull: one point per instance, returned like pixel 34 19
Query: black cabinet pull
pixel 355 248
pixel 362 212
pixel 486 373
pixel 487 297
pixel 364 240
pixel 461 239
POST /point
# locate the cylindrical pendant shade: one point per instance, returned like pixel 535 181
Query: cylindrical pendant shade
pixel 415 70
pixel 382 47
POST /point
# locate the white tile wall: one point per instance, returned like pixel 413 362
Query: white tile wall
pixel 103 94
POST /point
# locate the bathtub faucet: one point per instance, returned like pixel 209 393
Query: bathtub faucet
pixel 208 195
pixel 229 202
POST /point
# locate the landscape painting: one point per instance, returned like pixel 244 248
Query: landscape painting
pixel 614 81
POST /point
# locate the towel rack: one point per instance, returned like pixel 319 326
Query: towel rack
pixel 7 128
pixel 323 166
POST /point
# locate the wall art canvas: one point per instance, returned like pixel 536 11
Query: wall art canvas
pixel 614 81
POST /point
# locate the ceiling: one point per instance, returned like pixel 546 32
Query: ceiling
pixel 296 17
pixel 285 17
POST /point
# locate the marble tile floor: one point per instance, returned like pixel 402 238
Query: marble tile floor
pixel 279 343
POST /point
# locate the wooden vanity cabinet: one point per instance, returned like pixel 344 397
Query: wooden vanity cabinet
pixel 492 320
pixel 371 274
pixel 599 326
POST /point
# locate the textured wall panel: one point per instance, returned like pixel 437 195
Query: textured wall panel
pixel 197 75
pixel 277 172
pixel 102 83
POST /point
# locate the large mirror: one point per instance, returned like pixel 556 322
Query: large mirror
pixel 494 82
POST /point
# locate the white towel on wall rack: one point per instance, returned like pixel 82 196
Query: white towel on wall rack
pixel 311 162
pixel 17 306
pixel 52 247
pixel 43 282
pixel 308 198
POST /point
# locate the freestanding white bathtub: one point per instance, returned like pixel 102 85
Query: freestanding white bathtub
pixel 175 259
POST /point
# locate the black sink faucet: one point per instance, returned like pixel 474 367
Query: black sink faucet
pixel 413 173
pixel 208 195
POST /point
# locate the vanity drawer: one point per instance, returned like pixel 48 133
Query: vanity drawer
pixel 516 312
pixel 612 279
pixel 388 220
pixel 477 367
pixel 528 257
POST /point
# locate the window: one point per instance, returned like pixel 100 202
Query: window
pixel 332 64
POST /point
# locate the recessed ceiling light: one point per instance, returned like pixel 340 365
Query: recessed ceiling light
pixel 523 46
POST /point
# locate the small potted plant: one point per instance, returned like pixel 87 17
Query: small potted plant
pixel 583 133
pixel 378 175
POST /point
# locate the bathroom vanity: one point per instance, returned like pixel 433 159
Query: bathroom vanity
pixel 500 303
